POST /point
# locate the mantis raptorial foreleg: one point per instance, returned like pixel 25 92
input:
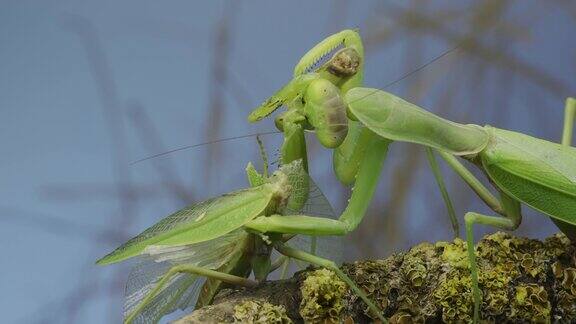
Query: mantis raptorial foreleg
pixel 321 262
pixel 364 188
pixel 191 269
pixel 298 224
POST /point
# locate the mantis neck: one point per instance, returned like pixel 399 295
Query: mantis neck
pixel 396 119
pixel 366 181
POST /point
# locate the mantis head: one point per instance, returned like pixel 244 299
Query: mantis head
pixel 313 96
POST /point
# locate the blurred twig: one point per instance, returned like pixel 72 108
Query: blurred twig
pixel 217 82
pixel 418 21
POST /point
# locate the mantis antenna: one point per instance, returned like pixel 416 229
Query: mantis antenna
pixel 182 148
pixel 263 155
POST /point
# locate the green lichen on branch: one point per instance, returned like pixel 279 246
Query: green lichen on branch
pixel 322 297
pixel 522 280
pixel 260 312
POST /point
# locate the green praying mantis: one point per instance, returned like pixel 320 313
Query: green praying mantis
pixel 359 124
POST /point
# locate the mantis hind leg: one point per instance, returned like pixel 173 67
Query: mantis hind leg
pixel 510 222
pixel 191 269
pixel 318 261
pixel 569 119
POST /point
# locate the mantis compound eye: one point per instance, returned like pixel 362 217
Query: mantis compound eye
pixel 279 122
pixel 344 63
pixel 325 110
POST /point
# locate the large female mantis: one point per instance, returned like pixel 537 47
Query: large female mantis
pixel 522 168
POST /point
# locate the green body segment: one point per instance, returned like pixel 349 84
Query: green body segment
pixel 539 173
pixel 396 119
pixel 255 179
pixel 536 172
pixel 326 113
pixel 299 183
pixel 294 146
pixel 366 181
pixel 347 157
pixel 314 100
pixel 288 93
pixel 200 222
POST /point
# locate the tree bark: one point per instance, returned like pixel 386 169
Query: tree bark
pixel 522 280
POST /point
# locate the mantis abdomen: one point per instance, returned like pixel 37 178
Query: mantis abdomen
pixel 539 173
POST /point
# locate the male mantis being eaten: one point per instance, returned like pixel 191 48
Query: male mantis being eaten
pixel 207 239
pixel 523 169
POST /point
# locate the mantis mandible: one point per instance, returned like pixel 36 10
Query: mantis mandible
pixel 360 123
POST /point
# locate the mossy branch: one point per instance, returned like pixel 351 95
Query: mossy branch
pixel 522 280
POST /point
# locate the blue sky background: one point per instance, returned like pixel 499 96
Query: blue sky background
pixel 87 87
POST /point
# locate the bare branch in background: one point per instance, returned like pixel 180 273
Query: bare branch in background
pixel 218 80
pixel 418 21
pixel 112 111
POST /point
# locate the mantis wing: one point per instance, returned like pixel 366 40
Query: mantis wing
pixel 199 222
pixel 537 172
pixel 183 289
pixel 329 247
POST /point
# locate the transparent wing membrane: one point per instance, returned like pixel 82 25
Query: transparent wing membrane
pixel 329 247
pixel 183 289
pixel 180 293
pixel 316 205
